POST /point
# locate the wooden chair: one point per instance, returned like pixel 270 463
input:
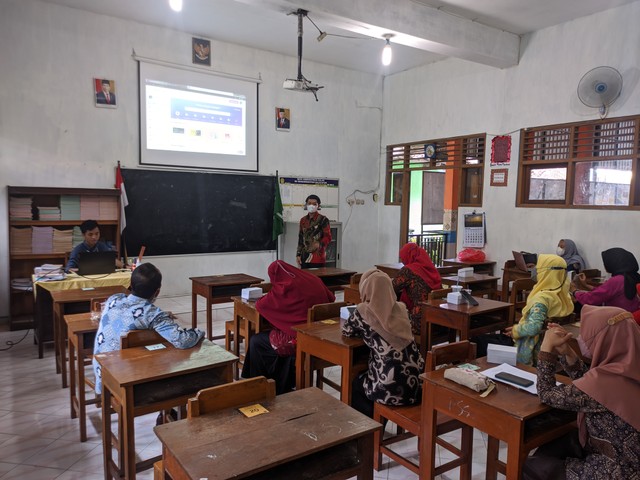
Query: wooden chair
pixel 323 311
pixel 520 290
pixel 354 281
pixel 140 338
pixel 235 394
pixel 439 293
pixel 409 421
pixel 228 326
pixel 510 273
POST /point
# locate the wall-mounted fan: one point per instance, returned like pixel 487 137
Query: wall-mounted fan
pixel 599 88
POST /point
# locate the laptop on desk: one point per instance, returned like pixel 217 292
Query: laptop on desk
pixel 524 258
pixel 96 263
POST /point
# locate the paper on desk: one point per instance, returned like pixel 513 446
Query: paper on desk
pixel 505 367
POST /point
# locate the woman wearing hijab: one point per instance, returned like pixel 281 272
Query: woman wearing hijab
pixel 569 252
pixel 604 395
pixel 549 298
pixel 273 353
pixel 620 290
pixel 415 280
pixel 394 359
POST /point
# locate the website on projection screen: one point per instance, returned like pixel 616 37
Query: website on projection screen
pixel 187 124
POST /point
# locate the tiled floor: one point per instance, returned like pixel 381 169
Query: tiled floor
pixel 39 440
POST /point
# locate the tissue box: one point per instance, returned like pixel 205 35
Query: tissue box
pixel 501 354
pixel 251 293
pixel 455 298
pixel 465 272
pixel 345 312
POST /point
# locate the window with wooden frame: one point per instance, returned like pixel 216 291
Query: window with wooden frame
pixel 590 164
pixel 465 154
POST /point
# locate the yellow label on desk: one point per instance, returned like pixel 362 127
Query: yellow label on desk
pixel 328 322
pixel 253 410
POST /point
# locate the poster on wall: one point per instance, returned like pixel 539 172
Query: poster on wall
pixel 294 191
pixel 501 150
pixel 105 93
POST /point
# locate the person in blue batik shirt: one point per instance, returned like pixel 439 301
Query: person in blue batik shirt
pixel 137 312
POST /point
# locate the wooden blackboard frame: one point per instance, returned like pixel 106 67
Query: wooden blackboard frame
pixel 182 213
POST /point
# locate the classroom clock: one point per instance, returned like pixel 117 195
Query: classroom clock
pixel 430 150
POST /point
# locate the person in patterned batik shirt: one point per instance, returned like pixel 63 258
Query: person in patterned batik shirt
pixel 314 236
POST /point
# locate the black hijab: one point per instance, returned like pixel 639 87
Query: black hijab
pixel 618 261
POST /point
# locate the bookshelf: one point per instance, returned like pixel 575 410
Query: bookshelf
pixel 25 253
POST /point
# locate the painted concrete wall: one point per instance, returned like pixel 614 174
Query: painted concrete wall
pixel 455 97
pixel 51 134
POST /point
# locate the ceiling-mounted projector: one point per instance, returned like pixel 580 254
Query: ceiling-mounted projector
pixel 301 84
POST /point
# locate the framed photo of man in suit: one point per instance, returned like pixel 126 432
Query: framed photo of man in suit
pixel 105 93
pixel 283 119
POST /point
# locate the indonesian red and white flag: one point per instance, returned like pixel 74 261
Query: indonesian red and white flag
pixel 123 198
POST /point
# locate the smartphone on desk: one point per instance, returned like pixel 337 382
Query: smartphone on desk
pixel 520 381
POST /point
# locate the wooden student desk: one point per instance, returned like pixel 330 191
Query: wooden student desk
pixel 325 341
pixel 82 333
pixel 332 276
pixel 305 434
pixel 44 319
pixel 490 316
pixel 508 414
pixel 485 266
pixel 479 284
pixel 142 381
pixel 217 289
pixel 72 301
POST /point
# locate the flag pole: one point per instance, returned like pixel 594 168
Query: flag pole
pixel 122 239
pixel 277 239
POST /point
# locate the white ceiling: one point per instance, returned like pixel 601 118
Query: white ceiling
pixel 425 30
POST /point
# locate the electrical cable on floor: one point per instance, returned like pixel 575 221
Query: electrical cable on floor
pixel 13 344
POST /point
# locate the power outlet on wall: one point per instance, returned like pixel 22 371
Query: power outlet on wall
pixel 350 201
pixel 359 201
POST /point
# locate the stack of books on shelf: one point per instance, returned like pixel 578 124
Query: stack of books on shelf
pixel 49 272
pixel 62 240
pixel 20 239
pixel 77 238
pixel 21 284
pixel 108 208
pixel 48 214
pixel 42 240
pixel 70 207
pixel 89 207
pixel 20 208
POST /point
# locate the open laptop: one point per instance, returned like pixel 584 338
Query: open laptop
pixel 524 258
pixel 96 263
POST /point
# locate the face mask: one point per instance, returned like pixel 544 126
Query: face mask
pixel 312 208
pixel 584 349
pixel 560 251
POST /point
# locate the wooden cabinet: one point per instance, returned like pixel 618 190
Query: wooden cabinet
pixel 76 205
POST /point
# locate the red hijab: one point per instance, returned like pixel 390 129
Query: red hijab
pixel 613 339
pixel 293 292
pixel 417 260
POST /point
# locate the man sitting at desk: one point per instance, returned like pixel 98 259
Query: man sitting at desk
pixel 136 311
pixel 91 233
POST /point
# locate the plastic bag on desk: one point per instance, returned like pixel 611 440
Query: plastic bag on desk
pixel 471 255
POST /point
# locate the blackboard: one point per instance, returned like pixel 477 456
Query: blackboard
pixel 173 213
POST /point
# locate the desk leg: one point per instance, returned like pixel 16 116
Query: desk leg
pixel 72 381
pixel 301 358
pixel 365 452
pixel 428 440
pixel 62 331
pixel 82 402
pixel 107 459
pixel 128 436
pixel 194 309
pixel 514 458
pixel 346 379
pixel 56 336
pixel 209 318
pixel 493 450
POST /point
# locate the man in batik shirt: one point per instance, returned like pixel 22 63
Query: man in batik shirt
pixel 314 236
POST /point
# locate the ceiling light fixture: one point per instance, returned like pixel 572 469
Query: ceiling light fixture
pixel 387 52
pixel 176 5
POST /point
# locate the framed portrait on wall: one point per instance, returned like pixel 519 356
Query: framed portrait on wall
pixel 283 119
pixel 105 93
pixel 201 51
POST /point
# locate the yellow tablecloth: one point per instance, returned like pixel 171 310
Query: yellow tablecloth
pixel 74 281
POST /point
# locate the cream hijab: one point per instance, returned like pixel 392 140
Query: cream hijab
pixel 379 308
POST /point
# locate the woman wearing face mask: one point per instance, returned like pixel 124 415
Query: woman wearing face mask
pixel 314 236
pixel 549 298
pixel 620 290
pixel 604 395
pixel 569 252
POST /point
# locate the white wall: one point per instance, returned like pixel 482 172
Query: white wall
pixel 454 97
pixel 51 134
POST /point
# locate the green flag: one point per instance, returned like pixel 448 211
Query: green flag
pixel 278 222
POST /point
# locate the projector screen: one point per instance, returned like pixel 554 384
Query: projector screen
pixel 197 120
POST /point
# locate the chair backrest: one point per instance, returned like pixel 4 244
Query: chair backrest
pixel 266 287
pixel 324 311
pixel 140 338
pixel 520 290
pixel 591 272
pixel 355 279
pixel 562 320
pixel 229 395
pixel 439 293
pixel 96 303
pixel 450 353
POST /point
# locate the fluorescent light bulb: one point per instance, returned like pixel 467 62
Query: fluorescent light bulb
pixel 387 53
pixel 176 5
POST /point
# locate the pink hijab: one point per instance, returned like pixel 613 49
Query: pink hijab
pixel 293 292
pixel 613 339
pixel 417 260
pixel 379 308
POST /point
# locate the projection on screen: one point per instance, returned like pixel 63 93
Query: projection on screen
pixel 191 119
